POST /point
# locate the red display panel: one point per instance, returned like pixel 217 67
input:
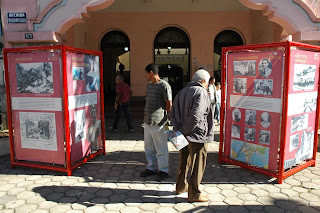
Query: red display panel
pixel 253 107
pixel 302 106
pixel 36 92
pixel 83 77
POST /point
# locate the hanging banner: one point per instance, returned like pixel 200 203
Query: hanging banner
pixel 302 104
pixel 83 76
pixel 253 109
pixel 35 85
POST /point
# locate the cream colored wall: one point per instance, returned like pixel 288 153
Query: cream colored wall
pixel 141 28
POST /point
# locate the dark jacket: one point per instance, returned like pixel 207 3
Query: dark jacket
pixel 191 113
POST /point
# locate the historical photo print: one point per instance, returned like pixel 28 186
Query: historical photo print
pixel 263 86
pixel 250 134
pixel 304 76
pixel 294 142
pixel 94 129
pixel 236 115
pixel 34 77
pixel 92 73
pixel 80 121
pixel 78 73
pixel 265 119
pixel 38 130
pixel 265 67
pixel 244 68
pixel 235 131
pixel 307 103
pixel 240 85
pixel 251 117
pixel 299 122
pixel 264 137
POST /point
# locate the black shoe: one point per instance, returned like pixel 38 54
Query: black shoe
pixel 161 176
pixel 147 173
pixel 131 130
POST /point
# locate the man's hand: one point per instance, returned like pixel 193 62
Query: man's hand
pixel 115 106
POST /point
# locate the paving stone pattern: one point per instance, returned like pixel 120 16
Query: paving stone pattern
pixel 112 183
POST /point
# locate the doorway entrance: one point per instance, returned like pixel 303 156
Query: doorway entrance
pixel 171 54
pixel 226 38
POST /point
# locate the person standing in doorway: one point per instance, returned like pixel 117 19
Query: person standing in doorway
pixel 158 106
pixel 191 114
pixel 213 94
pixel 122 104
pixel 218 104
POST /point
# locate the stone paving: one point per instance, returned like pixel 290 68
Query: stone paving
pixel 112 183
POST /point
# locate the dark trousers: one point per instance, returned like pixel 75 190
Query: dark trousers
pixel 124 107
pixel 193 156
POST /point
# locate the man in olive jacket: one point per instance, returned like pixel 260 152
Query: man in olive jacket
pixel 191 114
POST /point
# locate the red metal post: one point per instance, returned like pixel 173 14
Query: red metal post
pixel 9 112
pixel 102 104
pixel 66 109
pixel 223 103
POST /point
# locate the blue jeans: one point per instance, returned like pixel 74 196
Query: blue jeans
pixel 124 107
pixel 156 148
pixel 217 113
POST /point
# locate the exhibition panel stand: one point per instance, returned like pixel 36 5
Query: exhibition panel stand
pixel 55 106
pixel 270 107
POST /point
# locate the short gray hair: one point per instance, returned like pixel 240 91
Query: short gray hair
pixel 201 75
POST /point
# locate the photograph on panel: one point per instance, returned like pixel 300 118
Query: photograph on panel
pixel 235 131
pixel 94 129
pixel 265 119
pixel 240 85
pixel 80 122
pixel 265 67
pixel 263 87
pixel 34 77
pixel 78 73
pixel 264 137
pixel 244 68
pixel 307 102
pixel 299 122
pixel 294 142
pixel 304 76
pixel 250 134
pixel 38 130
pixel 236 115
pixel 251 117
pixel 307 144
pixel 92 73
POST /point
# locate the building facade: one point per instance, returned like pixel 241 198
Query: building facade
pixel 179 35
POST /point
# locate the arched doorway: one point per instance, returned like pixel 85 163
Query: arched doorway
pixel 115 46
pixel 171 54
pixel 225 38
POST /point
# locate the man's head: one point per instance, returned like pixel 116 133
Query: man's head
pixel 150 70
pixel 265 63
pixel 201 76
pixel 119 78
pixel 212 80
pixel 218 86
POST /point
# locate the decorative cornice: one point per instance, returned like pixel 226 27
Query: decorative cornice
pixel 313 9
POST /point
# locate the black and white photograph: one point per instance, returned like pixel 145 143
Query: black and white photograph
pixel 235 131
pixel 264 137
pixel 80 121
pixel 265 67
pixel 78 73
pixel 304 76
pixel 307 103
pixel 265 119
pixel 250 134
pixel 251 117
pixel 299 122
pixel 34 77
pixel 94 129
pixel 263 87
pixel 294 142
pixel 244 68
pixel 38 130
pixel 240 85
pixel 236 115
